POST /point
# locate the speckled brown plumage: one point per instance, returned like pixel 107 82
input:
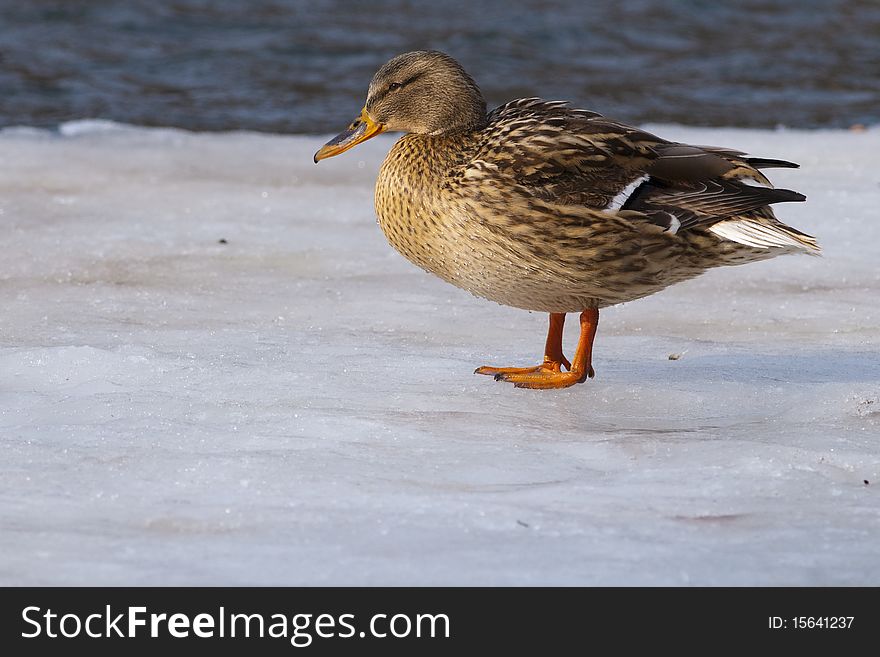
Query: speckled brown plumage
pixel 547 208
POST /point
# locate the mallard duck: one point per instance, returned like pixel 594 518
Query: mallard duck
pixel 544 207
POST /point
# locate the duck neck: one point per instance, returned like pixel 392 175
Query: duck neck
pixel 471 122
pixel 451 116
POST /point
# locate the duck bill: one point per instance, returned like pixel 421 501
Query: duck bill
pixel 361 129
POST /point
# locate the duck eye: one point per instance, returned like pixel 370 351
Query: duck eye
pixel 394 85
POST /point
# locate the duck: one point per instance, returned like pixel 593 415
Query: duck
pixel 553 209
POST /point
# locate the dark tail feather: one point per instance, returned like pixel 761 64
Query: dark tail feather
pixel 766 163
pixel 784 196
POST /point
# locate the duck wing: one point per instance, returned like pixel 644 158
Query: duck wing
pixel 563 155
pixel 577 157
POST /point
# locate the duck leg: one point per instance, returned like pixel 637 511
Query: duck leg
pixel 554 359
pixel 549 374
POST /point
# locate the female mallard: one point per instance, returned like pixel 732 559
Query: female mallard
pixel 547 208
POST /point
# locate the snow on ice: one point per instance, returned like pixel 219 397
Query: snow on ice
pixel 214 370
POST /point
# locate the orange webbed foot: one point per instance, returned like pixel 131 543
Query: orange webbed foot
pixel 545 379
pixel 549 375
pixel 546 366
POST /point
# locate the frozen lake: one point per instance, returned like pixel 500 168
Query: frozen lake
pixel 297 405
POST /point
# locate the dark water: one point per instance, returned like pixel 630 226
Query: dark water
pixel 284 66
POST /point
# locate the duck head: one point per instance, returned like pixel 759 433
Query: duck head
pixel 425 92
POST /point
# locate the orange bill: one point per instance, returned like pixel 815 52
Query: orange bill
pixel 361 129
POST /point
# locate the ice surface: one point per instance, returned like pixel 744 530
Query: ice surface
pixel 297 405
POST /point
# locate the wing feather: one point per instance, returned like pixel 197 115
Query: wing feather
pixel 553 153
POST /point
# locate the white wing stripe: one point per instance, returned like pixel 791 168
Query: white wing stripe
pixel 622 197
